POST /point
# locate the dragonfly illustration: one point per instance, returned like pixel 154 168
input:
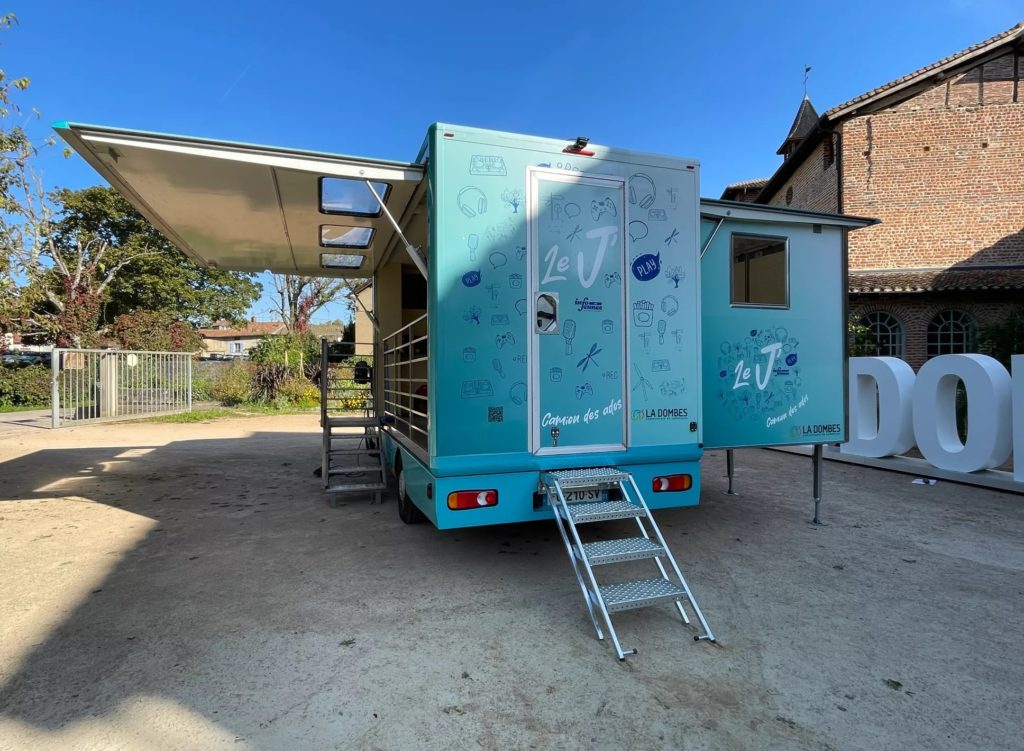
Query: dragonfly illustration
pixel 589 358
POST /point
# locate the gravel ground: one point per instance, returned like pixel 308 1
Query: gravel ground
pixel 187 586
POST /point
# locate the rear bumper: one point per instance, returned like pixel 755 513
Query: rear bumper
pixel 516 491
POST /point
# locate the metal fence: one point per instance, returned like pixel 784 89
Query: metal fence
pixel 90 385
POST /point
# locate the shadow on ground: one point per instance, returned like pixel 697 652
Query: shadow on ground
pixel 265 618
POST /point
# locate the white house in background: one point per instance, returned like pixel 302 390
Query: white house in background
pixel 223 338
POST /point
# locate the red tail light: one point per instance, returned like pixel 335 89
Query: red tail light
pixel 671 483
pixel 465 499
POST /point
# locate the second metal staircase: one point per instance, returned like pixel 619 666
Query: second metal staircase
pixel 351 460
pixel 617 497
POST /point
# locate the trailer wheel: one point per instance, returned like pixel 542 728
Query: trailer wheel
pixel 408 511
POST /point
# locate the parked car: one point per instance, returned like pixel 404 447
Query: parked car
pixel 27 358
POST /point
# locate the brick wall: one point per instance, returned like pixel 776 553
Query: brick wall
pixel 915 312
pixel 943 172
pixel 815 186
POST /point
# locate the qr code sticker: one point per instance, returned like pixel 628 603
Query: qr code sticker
pixel 495 414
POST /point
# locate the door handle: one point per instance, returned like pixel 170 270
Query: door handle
pixel 546 313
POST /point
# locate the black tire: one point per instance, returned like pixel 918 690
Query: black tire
pixel 408 511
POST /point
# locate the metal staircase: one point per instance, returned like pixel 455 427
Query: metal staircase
pixel 350 459
pixel 613 494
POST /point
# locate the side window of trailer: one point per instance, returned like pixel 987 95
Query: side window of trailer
pixel 760 270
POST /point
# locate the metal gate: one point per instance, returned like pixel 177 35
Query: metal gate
pixel 90 385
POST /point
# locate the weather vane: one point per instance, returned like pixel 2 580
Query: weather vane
pixel 807 73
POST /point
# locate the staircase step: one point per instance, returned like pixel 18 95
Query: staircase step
pixel 352 422
pixel 617 551
pixel 600 511
pixel 355 469
pixel 357 488
pixel 586 478
pixel 640 593
pixel 349 452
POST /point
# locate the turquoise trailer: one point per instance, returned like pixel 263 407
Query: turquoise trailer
pixel 562 328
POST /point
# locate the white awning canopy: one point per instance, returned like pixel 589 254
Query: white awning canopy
pixel 253 208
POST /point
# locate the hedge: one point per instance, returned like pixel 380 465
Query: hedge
pixel 25 386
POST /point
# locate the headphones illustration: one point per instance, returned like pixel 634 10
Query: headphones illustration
pixel 472 201
pixel 642 190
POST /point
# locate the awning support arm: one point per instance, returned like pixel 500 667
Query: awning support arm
pixel 710 239
pixel 414 254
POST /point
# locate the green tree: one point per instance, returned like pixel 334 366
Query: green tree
pixel 159 278
pixel 859 339
pixel 1004 338
pixel 15 150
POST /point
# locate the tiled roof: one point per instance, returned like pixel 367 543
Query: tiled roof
pixel 326 329
pixel 253 328
pixel 804 122
pixel 957 57
pixel 758 183
pixel 935 280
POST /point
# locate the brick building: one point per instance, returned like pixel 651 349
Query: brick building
pixel 937 155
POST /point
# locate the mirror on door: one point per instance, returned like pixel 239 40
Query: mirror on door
pixel 547 313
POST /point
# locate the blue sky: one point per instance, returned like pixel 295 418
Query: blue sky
pixel 719 82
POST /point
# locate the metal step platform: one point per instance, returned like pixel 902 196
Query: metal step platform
pixel 619 551
pixel 350 458
pixel 622 499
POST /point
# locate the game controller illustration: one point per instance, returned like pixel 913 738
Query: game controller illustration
pixel 602 207
pixel 585 390
pixel 502 339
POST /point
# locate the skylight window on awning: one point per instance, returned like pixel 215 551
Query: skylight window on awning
pixel 341 195
pixel 339 236
pixel 340 261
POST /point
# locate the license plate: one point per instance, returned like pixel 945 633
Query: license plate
pixel 589 494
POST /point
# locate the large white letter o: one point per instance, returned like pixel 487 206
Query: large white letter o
pixel 988 412
pixel 880 423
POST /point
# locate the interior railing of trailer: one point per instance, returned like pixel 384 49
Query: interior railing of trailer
pixel 404 353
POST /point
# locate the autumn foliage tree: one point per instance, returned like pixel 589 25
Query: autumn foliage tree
pixel 155 330
pixel 300 297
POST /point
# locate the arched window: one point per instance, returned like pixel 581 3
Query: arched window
pixel 885 331
pixel 951 332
